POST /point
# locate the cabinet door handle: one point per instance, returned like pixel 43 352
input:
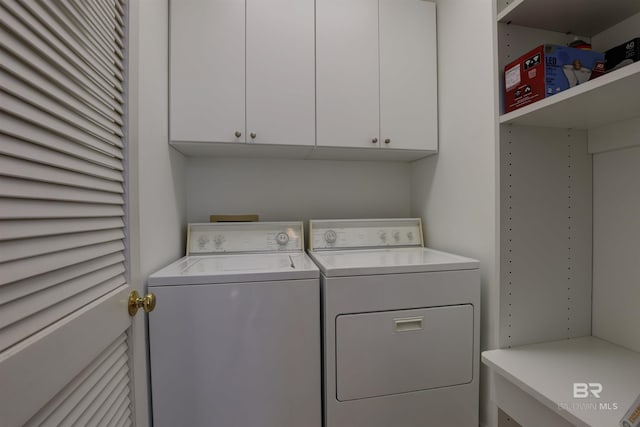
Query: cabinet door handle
pixel 387 141
pixel 238 134
pixel 374 140
pixel 252 135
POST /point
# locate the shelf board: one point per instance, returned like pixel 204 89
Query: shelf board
pixel 547 371
pixel 608 99
pixel 582 17
pixel 219 149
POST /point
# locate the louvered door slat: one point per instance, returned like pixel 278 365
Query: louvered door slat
pixel 22 229
pixel 115 411
pixel 25 208
pixel 24 150
pixel 21 288
pixel 68 37
pixel 24 34
pixel 17 168
pixel 78 12
pixel 107 364
pixel 17 130
pixel 43 84
pixel 104 384
pixel 95 51
pixel 25 248
pixel 28 326
pixel 22 269
pixel 37 117
pixel 24 91
pixel 16 188
pixel 33 303
pixel 55 42
pixel 18 49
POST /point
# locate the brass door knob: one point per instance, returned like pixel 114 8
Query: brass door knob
pixel 238 134
pixel 147 302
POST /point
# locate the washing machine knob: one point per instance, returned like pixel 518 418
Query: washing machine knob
pixel 396 236
pixel 410 235
pixel 219 240
pixel 383 236
pixel 330 236
pixel 282 238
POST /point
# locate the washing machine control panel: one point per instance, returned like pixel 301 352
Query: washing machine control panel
pixel 371 233
pixel 210 238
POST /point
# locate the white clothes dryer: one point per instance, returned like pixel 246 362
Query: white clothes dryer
pixel 235 337
pixel 400 326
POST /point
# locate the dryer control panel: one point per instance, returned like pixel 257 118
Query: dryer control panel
pixel 365 233
pixel 243 237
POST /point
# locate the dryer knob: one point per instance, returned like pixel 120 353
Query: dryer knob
pixel 330 236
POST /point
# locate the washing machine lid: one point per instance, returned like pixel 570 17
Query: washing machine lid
pixel 235 268
pixel 362 262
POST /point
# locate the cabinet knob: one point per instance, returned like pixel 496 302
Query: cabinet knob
pixel 252 135
pixel 387 141
pixel 374 140
pixel 238 134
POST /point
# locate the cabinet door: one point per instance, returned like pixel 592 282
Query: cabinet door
pixel 280 72
pixel 408 75
pixel 207 70
pixel 347 93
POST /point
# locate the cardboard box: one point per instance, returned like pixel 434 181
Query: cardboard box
pixel 547 70
pixel 625 54
pixel 632 417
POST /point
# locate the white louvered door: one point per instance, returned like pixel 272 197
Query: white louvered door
pixel 64 352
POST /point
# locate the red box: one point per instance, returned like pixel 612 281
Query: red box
pixel 547 70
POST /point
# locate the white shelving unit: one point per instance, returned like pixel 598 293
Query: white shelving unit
pixel 584 17
pixel 549 230
pixel 547 371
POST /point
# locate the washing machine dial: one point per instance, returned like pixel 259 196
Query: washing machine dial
pixel 218 240
pixel 396 236
pixel 410 236
pixel 330 236
pixel 282 238
pixel 202 242
pixel 383 236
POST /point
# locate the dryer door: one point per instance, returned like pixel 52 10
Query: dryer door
pixel 392 352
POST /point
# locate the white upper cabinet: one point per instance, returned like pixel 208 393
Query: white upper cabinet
pixel 408 69
pixel 376 74
pixel 280 72
pixel 347 79
pixel 303 78
pixel 207 70
pixel 221 47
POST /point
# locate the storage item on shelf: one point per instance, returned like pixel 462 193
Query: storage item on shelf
pixel 624 54
pixel 234 218
pixel 632 418
pixel 547 70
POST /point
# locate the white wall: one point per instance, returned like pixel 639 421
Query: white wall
pixel 455 192
pixel 157 211
pixel 296 189
pixel 616 246
pixel 161 168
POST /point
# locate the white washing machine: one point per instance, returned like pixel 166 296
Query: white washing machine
pixel 235 336
pixel 400 326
